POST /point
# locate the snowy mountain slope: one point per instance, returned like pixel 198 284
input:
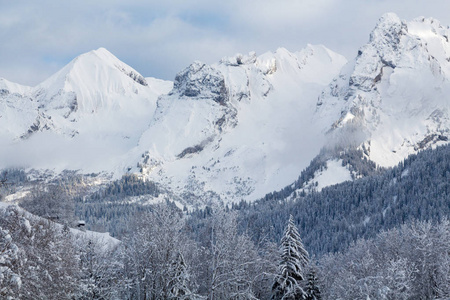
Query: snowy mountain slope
pixel 239 128
pixel 333 173
pixel 84 117
pixel 159 86
pixel 102 240
pixel 13 88
pixel 17 111
pixel 95 83
pixel 91 82
pixel 393 99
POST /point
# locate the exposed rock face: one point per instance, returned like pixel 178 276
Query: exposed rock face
pixel 42 123
pixel 133 75
pixel 391 91
pixel 201 81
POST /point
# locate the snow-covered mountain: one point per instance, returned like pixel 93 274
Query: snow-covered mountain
pixel 237 129
pixel 393 99
pixel 97 92
pixel 240 128
pixel 83 117
pixel 17 110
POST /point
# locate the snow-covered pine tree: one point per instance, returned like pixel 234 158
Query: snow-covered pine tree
pixel 294 258
pixel 312 289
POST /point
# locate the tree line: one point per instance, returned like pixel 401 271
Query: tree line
pixel 161 258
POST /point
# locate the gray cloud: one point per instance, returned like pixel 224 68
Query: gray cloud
pixel 159 38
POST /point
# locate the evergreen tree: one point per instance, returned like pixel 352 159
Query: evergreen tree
pixel 312 289
pixel 294 259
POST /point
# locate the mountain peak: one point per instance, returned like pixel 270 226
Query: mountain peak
pixel 102 56
pixel 104 53
pixel 387 33
pixel 89 82
pixel 393 89
pixel 99 54
pixel 388 19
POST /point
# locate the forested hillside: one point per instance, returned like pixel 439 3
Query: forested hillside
pixel 417 189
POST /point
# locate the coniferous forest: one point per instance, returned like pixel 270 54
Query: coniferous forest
pixel 383 236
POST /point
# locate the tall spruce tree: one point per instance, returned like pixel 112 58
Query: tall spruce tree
pixel 312 289
pixel 294 259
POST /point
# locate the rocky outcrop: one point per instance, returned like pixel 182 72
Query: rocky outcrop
pixel 202 81
pixel 392 88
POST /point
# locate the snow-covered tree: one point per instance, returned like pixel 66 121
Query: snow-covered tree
pixel 47 261
pixel 294 259
pixel 178 285
pixel 411 262
pixel 100 269
pixel 232 258
pixel 10 281
pixel 154 242
pixel 312 285
pixel 428 248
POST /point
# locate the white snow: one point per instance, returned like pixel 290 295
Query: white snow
pixel 335 173
pixel 13 198
pixel 405 173
pixel 103 240
pixel 12 87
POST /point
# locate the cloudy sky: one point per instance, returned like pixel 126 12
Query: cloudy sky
pixel 160 38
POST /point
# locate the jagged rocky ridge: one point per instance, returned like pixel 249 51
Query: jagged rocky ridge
pixel 393 97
